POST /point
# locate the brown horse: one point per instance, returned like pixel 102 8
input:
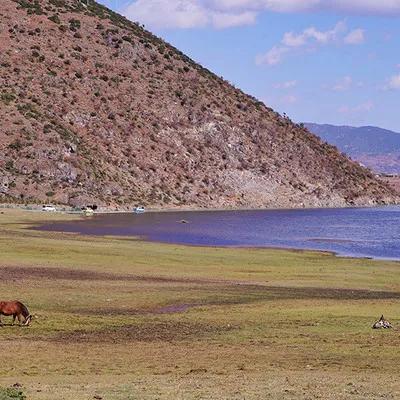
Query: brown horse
pixel 17 310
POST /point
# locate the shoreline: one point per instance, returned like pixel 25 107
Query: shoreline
pixel 143 239
pixel 68 210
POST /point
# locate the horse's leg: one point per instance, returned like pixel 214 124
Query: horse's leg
pixel 19 319
pixel 14 316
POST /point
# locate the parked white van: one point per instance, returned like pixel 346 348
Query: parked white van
pixel 48 207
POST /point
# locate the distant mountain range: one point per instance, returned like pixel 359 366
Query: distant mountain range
pixel 377 148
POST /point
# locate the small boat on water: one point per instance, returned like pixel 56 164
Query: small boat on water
pixel 139 210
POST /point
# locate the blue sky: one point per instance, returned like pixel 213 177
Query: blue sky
pixel 325 61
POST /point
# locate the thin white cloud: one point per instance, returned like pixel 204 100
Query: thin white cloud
pixel 285 85
pixel 343 84
pixel 311 34
pixel 363 107
pixel 307 40
pixel 186 14
pixel 362 7
pixel 168 14
pixel 355 37
pixel 354 7
pixel 393 83
pixel 273 56
pixel 226 20
pixel 289 99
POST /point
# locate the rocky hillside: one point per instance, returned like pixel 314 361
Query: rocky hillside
pixel 94 109
pixel 377 148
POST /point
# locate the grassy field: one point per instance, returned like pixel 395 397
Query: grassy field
pixel 118 318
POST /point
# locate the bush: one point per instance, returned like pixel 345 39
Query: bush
pixel 7 98
pixel 9 165
pixel 11 394
pixel 16 145
pixel 55 18
pixel 32 7
pixel 74 24
pixel 28 110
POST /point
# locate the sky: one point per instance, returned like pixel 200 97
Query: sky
pixel 323 61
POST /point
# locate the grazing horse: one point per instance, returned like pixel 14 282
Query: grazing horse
pixel 17 310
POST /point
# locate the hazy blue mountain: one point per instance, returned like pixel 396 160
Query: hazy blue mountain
pixel 377 148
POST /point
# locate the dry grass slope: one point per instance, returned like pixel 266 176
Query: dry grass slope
pixel 95 109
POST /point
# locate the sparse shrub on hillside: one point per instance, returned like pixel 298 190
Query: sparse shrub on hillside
pixel 28 110
pixel 58 3
pixel 74 24
pixel 47 128
pixel 55 18
pixel 16 145
pixel 7 98
pixel 32 7
pixel 9 165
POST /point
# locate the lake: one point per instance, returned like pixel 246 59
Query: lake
pixel 357 232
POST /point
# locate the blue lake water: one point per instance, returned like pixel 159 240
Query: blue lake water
pixel 360 232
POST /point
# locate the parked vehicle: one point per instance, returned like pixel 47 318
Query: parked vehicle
pixel 48 207
pixel 139 210
pixel 88 211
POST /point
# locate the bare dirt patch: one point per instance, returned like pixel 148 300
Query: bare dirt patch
pixel 240 291
pixel 230 296
pixel 298 293
pixel 165 331
pixel 24 273
pixel 127 311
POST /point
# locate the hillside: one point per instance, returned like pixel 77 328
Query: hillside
pixel 95 109
pixel 378 149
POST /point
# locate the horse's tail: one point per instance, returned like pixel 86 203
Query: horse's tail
pixel 25 313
